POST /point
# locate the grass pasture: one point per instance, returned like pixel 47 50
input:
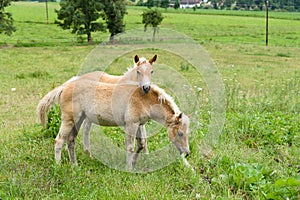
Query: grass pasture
pixel 256 157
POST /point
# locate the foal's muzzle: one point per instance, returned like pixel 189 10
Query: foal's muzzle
pixel 186 152
pixel 146 88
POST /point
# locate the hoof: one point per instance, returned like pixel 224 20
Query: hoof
pixel 88 152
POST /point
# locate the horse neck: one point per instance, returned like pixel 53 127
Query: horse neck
pixel 166 113
pixel 129 77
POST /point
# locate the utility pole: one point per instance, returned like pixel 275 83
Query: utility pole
pixel 267 23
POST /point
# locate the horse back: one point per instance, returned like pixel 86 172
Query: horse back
pixel 101 77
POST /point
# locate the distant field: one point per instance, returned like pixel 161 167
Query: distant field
pixel 235 27
pixel 256 157
pixel 272 14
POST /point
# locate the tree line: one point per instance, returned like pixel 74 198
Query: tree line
pixel 280 5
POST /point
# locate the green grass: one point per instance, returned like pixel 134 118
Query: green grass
pixel 260 14
pixel 232 27
pixel 228 27
pixel 256 157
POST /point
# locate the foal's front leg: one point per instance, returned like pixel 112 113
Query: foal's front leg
pixel 141 138
pixel 86 136
pixel 130 130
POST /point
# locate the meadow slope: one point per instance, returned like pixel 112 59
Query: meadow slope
pixel 256 156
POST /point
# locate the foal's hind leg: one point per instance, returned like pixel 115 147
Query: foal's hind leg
pixel 141 138
pixel 71 141
pixel 86 136
pixel 71 146
pixel 63 134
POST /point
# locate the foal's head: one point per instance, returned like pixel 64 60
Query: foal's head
pixel 178 131
pixel 144 72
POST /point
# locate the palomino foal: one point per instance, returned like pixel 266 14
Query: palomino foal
pixel 118 105
pixel 140 75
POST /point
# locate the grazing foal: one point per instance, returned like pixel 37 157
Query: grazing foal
pixel 118 105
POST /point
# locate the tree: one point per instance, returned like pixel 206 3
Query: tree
pixel 81 16
pixel 259 4
pixel 152 18
pixel 164 4
pixel 215 3
pixel 6 20
pixel 114 14
pixel 177 4
pixel 227 3
pixel 244 4
pixel 150 3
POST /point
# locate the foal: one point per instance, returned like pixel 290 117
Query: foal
pixel 118 105
pixel 140 75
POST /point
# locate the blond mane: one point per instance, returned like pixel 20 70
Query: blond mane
pixel 163 97
pixel 142 60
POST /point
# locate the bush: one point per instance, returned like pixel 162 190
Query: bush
pixel 53 123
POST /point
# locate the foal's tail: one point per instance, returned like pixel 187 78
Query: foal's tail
pixel 49 100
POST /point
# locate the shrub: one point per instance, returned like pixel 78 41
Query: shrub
pixel 54 121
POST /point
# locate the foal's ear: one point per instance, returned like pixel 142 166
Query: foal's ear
pixel 178 118
pixel 136 59
pixel 152 60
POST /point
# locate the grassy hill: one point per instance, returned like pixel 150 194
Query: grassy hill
pixel 256 156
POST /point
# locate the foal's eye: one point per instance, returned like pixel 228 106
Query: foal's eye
pixel 138 72
pixel 180 134
pixel 152 72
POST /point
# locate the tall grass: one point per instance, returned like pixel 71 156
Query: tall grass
pixel 256 156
